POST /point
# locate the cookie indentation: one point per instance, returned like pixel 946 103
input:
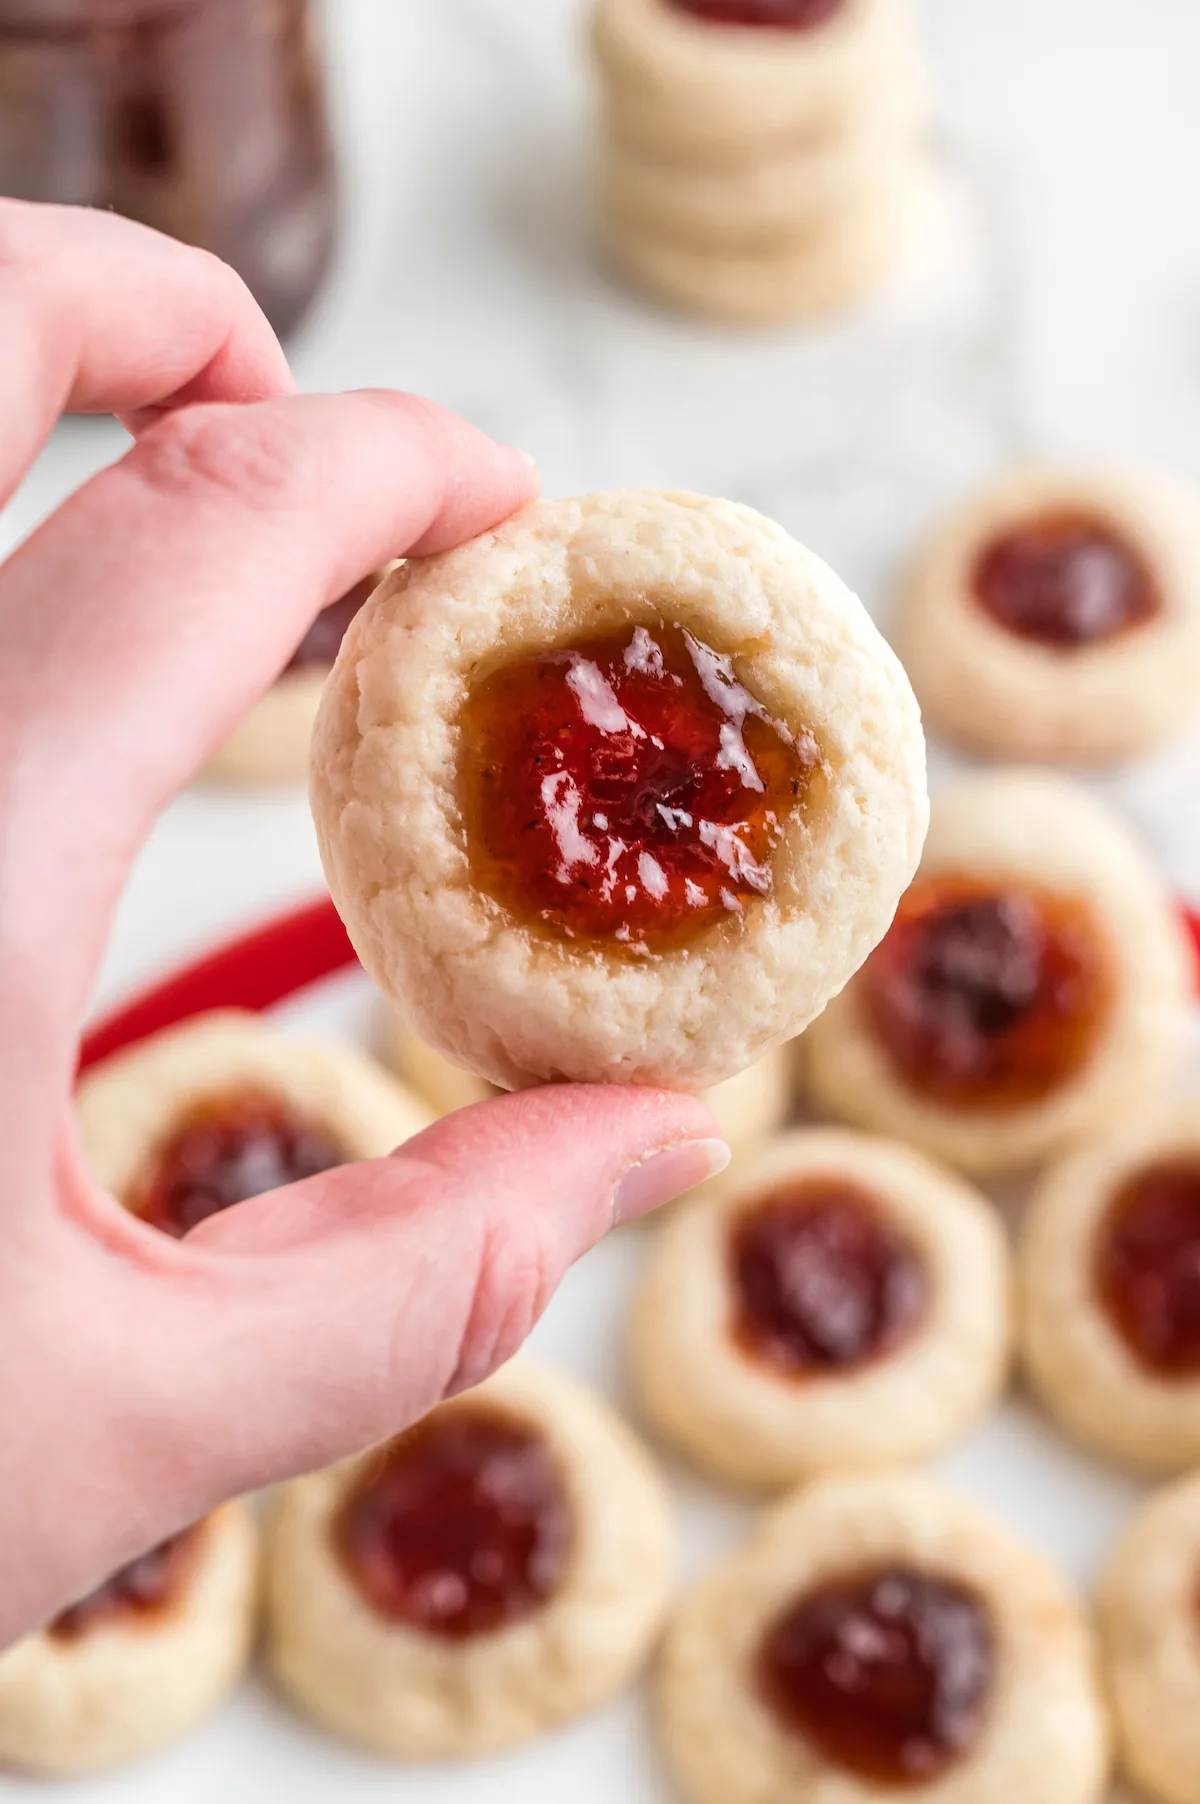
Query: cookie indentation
pixel 464 1528
pixel 985 995
pixel 146 1588
pixel 629 791
pixel 887 1673
pixel 823 1281
pixel 1148 1267
pixel 224 1151
pixel 1065 581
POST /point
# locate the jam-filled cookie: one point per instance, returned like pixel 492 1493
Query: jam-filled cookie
pixel 141 1659
pixel 209 1114
pixel 1057 617
pixel 747 1107
pixel 1110 1292
pixel 1032 989
pixel 880 1637
pixel 622 791
pixel 725 75
pixel 272 744
pixel 837 1301
pixel 828 264
pixel 499 1569
pixel 1148 1607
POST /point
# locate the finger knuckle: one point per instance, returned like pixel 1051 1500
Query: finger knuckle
pixel 251 454
pixel 514 1282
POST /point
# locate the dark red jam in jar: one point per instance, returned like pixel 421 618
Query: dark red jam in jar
pixel 146 1588
pixel 823 1282
pixel 203 118
pixel 777 15
pixel 323 640
pixel 1147 1269
pixel 886 1673
pixel 988 997
pixel 1065 581
pixel 627 791
pixel 224 1151
pixel 462 1528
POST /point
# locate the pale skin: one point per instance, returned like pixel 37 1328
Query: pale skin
pixel 143 1380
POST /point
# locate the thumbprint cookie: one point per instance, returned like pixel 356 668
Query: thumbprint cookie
pixel 501 1568
pixel 879 1637
pixel 1110 1292
pixel 1057 618
pixel 141 1659
pixel 1148 1607
pixel 622 791
pixel 224 1108
pixel 835 1301
pixel 1033 988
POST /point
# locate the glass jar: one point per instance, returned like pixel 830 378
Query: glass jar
pixel 204 118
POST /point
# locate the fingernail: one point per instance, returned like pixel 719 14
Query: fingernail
pixel 662 1176
pixel 526 458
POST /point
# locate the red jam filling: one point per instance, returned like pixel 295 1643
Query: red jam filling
pixel 1148 1267
pixel 464 1527
pixel 323 640
pixel 987 997
pixel 887 1673
pixel 147 1587
pixel 777 15
pixel 225 1151
pixel 823 1281
pixel 1065 581
pixel 628 791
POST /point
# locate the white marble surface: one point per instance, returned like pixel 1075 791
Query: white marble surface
pixel 1057 315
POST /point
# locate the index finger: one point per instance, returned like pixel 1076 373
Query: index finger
pixel 98 315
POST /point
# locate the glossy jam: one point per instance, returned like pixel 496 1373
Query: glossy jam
pixel 984 997
pixel 778 15
pixel 228 1149
pixel 1065 581
pixel 627 792
pixel 1148 1267
pixel 823 1282
pixel 464 1527
pixel 323 640
pixel 887 1673
pixel 146 1588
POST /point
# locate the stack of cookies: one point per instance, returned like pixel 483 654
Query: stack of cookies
pixel 762 158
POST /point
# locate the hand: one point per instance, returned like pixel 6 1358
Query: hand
pixel 142 1380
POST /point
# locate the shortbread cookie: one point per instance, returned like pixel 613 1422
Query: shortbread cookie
pixel 747 1106
pixel 732 86
pixel 1033 989
pixel 830 265
pixel 622 791
pixel 835 1302
pixel 502 1568
pixel 1057 617
pixel 880 1637
pixel 764 202
pixel 1110 1292
pixel 223 1108
pixel 1147 1602
pixel 139 1661
pixel 272 744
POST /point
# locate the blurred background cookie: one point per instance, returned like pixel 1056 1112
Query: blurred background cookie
pixel 140 1660
pixel 833 1302
pixel 1110 1291
pixel 1057 617
pixel 880 1635
pixel 1033 989
pixel 500 1569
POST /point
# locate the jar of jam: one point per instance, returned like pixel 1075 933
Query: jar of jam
pixel 203 118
